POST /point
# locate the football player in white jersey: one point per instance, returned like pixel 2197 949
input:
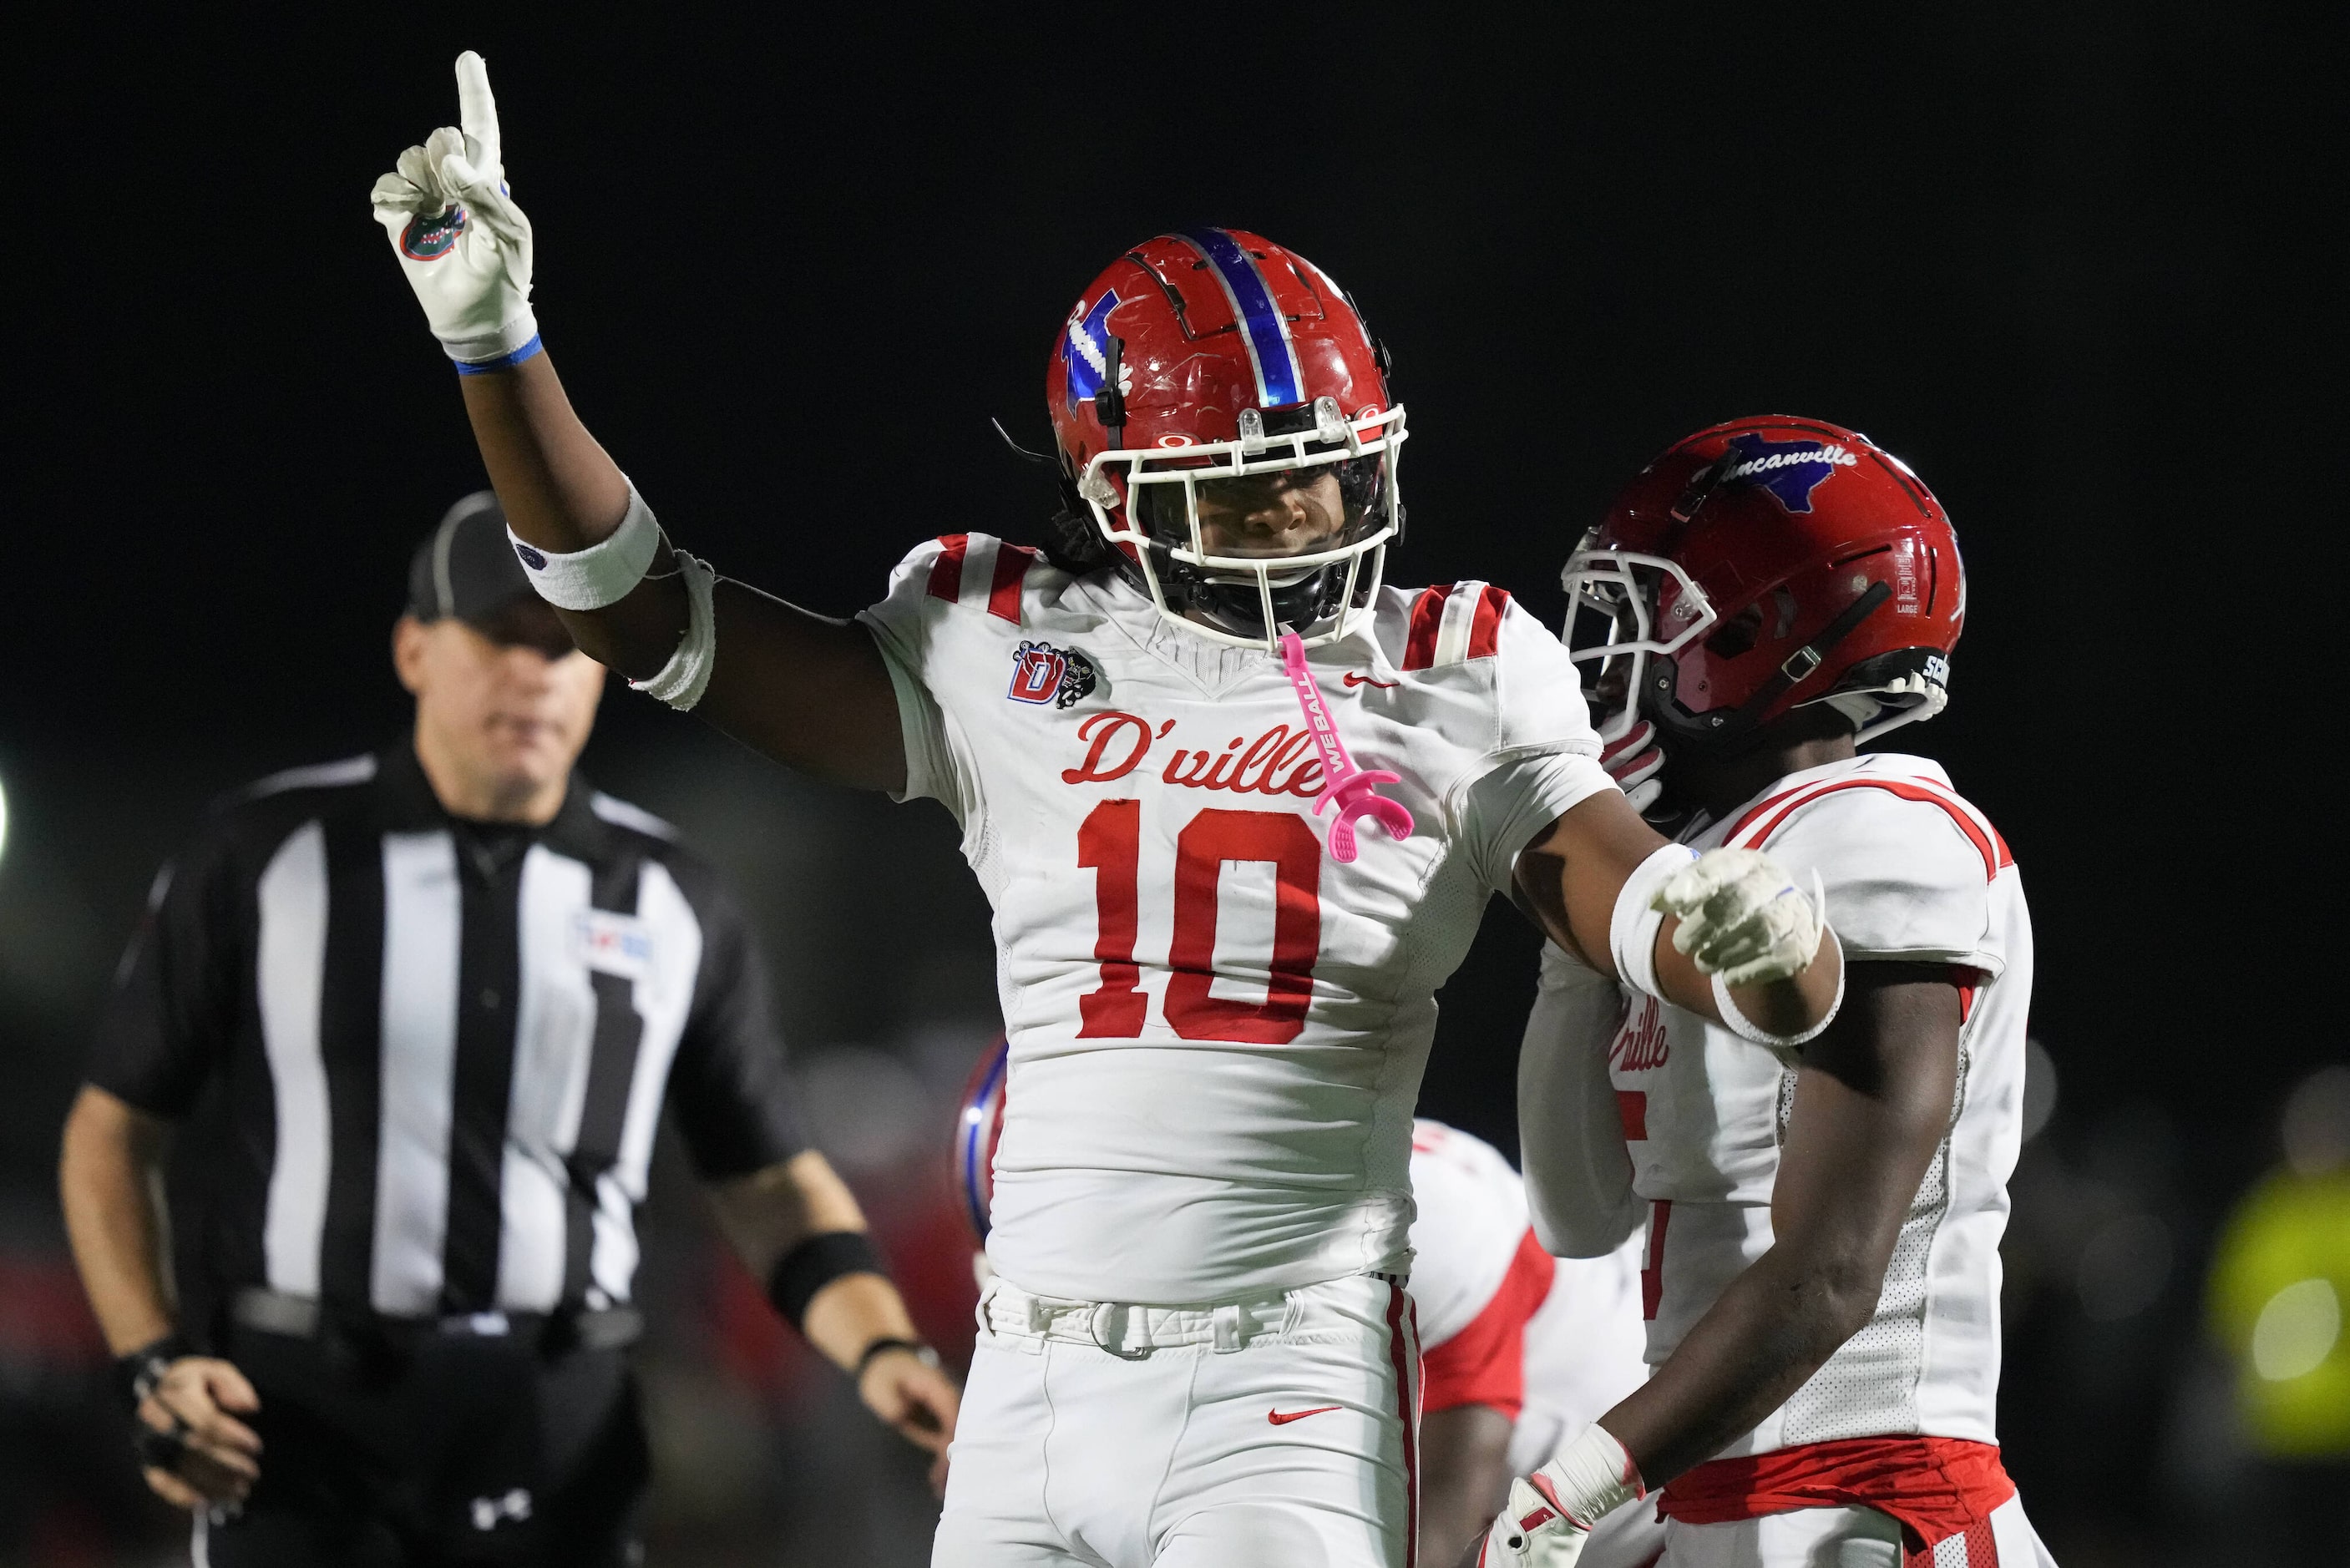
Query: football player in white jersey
pixel 1520 1352
pixel 1219 997
pixel 1821 1279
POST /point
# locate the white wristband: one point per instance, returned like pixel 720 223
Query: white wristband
pixel 510 345
pixel 1748 1030
pixel 604 573
pixel 682 681
pixel 1591 1477
pixel 1633 926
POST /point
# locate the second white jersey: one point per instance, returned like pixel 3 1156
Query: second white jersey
pixel 1912 873
pixel 1217 1029
pixel 1582 1342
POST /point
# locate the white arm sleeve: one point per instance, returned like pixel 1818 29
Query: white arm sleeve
pixel 905 626
pixel 1570 1138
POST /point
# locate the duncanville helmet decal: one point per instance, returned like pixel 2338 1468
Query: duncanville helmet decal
pixel 430 239
pixel 1789 470
pixel 1043 673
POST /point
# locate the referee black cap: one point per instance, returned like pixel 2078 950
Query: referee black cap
pixel 466 566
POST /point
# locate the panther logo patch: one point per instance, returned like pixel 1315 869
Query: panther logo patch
pixel 1043 673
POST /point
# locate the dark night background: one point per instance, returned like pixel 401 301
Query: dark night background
pixel 2063 259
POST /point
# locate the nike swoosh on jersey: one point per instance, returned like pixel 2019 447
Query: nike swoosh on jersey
pixel 1283 1419
pixel 1355 677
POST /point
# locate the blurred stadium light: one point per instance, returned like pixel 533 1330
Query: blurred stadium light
pixel 2279 1278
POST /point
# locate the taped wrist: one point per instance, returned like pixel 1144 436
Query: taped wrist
pixel 604 573
pixel 1633 926
pixel 1591 1477
pixel 682 681
pixel 135 1375
pixel 1748 1030
pixel 515 341
pixel 815 1263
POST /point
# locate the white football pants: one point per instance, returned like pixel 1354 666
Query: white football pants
pixel 1846 1538
pixel 1271 1433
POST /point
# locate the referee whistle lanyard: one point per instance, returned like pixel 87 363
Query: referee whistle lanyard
pixel 1355 791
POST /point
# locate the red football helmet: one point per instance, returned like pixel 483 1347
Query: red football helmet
pixel 1211 355
pixel 978 1126
pixel 1760 566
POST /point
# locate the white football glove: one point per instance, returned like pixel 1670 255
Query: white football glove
pixel 1552 1513
pixel 1634 762
pixel 1532 1532
pixel 463 244
pixel 1742 916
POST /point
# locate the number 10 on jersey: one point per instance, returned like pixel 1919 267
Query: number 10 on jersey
pixel 1109 843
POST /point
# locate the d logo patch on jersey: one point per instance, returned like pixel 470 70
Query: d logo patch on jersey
pixel 613 943
pixel 1789 470
pixel 1043 673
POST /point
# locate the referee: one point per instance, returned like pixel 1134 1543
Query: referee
pixel 441 994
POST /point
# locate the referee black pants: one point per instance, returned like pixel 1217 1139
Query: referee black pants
pixel 449 1449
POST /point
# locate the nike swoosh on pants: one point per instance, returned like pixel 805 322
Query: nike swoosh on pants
pixel 1282 1418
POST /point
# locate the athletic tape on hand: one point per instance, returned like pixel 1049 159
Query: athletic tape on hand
pixel 1748 1030
pixel 1632 926
pixel 604 573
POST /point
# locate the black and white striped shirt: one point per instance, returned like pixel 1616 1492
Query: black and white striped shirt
pixel 443 1045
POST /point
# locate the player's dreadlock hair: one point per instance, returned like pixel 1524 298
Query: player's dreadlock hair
pixel 1071 542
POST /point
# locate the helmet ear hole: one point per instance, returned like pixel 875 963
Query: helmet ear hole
pixel 1737 635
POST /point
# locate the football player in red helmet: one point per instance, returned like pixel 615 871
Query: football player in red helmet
pixel 1821 1277
pixel 1197 1349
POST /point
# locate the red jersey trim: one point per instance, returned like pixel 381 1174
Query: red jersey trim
pixel 1937 1487
pixel 1985 839
pixel 1428 621
pixel 1632 1110
pixel 1427 615
pixel 1011 564
pixel 1485 629
pixel 1652 1267
pixel 1485 1362
pixel 946 572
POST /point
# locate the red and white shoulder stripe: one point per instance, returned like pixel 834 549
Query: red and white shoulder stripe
pixel 1764 818
pixel 1453 625
pixel 977 570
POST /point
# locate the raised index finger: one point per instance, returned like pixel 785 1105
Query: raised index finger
pixel 477 109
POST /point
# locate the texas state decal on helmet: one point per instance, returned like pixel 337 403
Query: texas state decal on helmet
pixel 1759 566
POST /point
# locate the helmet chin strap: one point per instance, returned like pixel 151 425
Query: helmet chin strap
pixel 1110 404
pixel 1792 671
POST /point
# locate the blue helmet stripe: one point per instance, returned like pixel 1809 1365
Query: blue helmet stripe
pixel 1278 382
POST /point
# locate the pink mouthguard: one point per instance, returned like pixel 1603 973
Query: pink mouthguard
pixel 1354 790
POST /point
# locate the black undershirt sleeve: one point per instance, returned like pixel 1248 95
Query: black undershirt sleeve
pixel 727 1088
pixel 166 1022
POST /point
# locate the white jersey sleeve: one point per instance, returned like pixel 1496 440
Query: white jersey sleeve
pixel 1907 866
pixel 1545 754
pixel 1578 1176
pixel 915 626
